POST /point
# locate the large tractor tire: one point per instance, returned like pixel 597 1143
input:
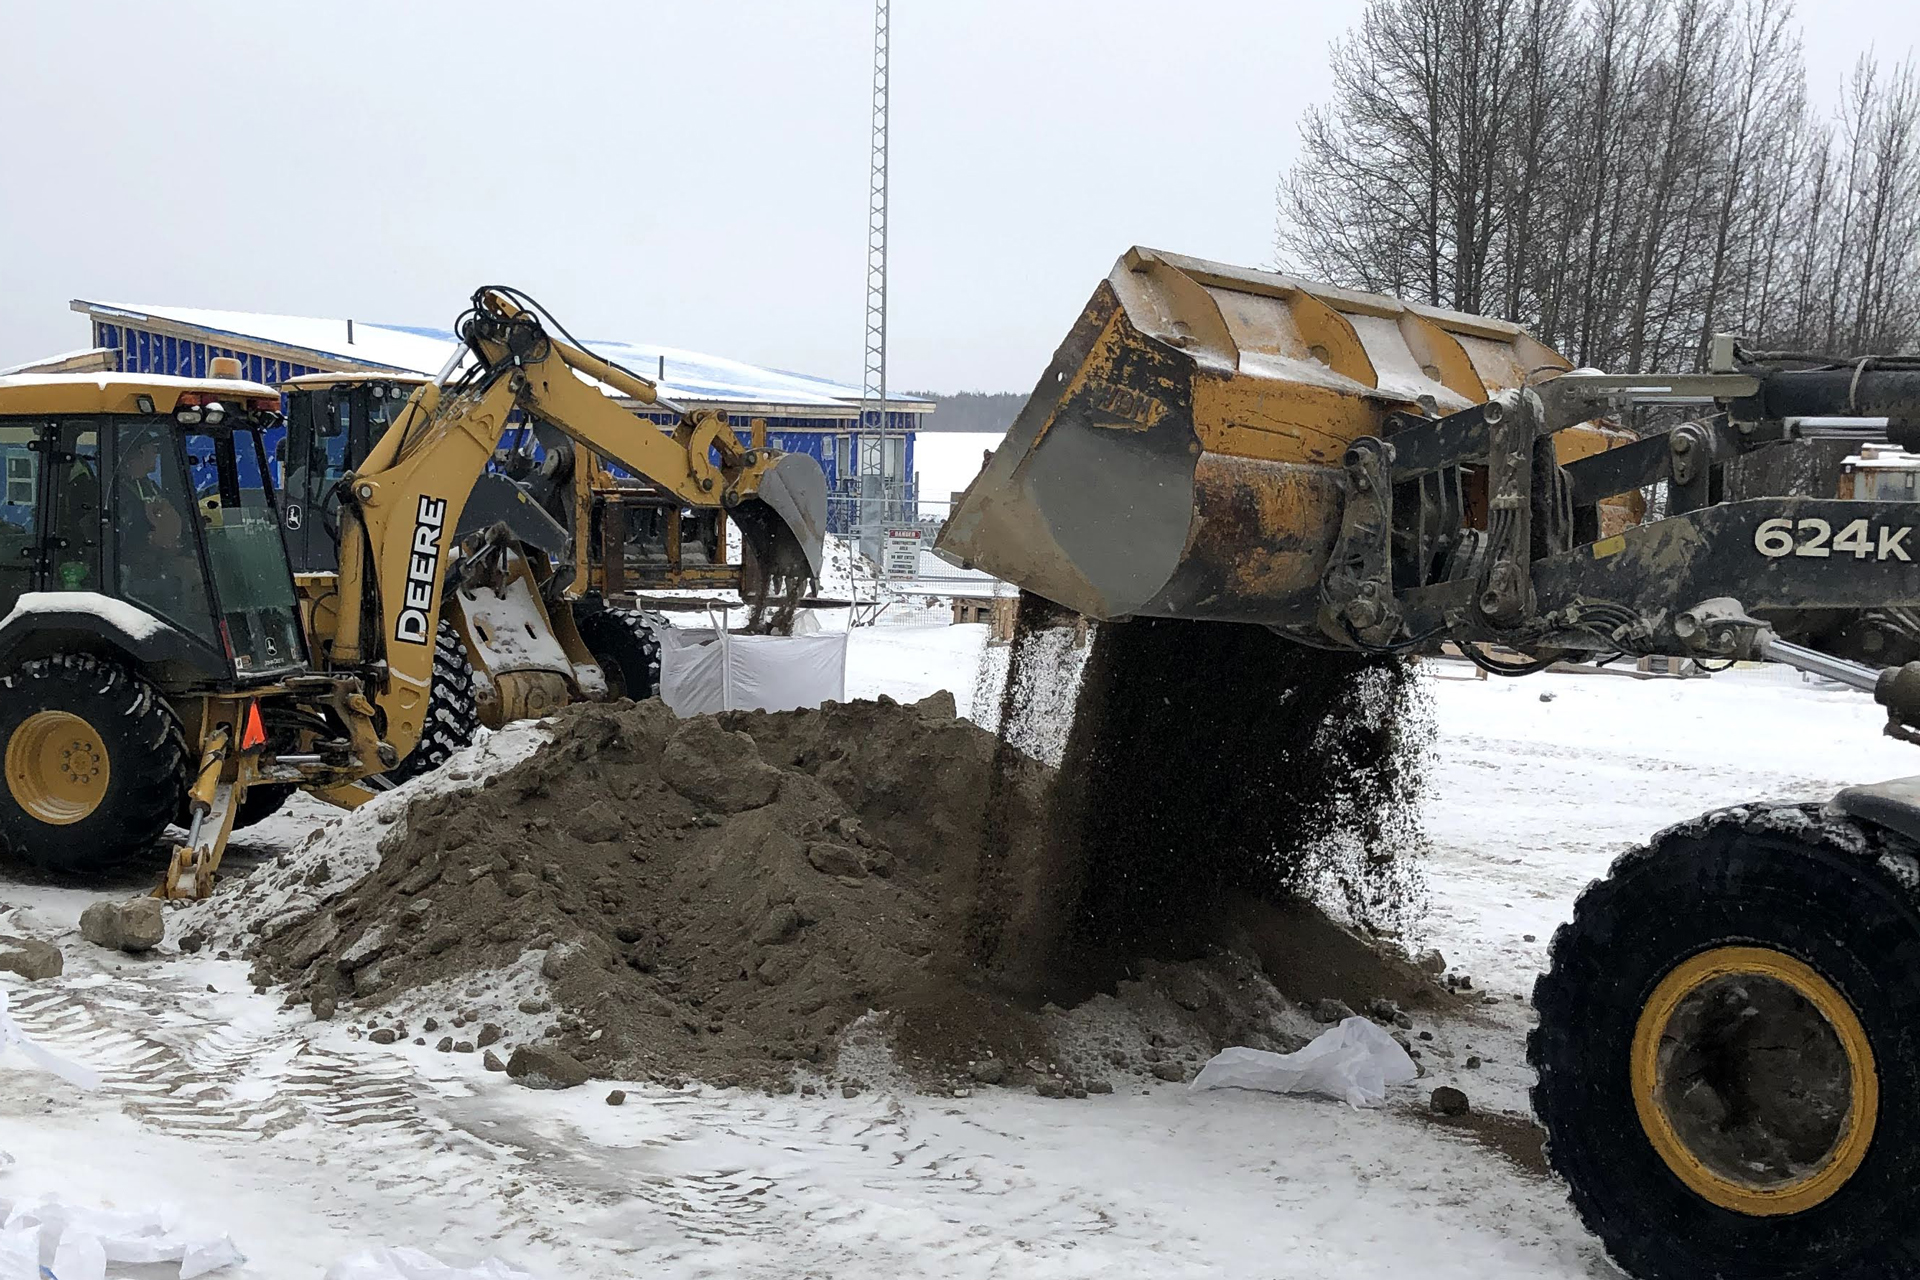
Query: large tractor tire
pixel 624 644
pixel 262 802
pixel 1729 1051
pixel 453 717
pixel 94 764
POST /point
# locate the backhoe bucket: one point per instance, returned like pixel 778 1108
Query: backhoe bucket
pixel 784 526
pixel 1181 456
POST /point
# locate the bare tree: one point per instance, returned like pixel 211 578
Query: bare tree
pixel 1625 177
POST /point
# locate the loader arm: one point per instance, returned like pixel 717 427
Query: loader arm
pixel 400 508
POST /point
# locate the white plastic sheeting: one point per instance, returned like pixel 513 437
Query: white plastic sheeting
pixel 708 670
pixel 12 1037
pixel 1354 1062
pixel 43 1236
pixel 412 1264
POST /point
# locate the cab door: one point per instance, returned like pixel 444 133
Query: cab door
pixel 74 508
pixel 51 526
pixel 20 534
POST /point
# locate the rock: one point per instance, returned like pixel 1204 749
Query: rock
pixel 191 943
pixel 520 884
pixel 1402 1021
pixel 598 823
pixel 384 1035
pixel 850 1090
pixel 1473 1064
pixel 1449 1101
pixel 1171 1072
pixel 1330 1010
pixel 363 951
pixel 1527 937
pixel 317 940
pixel 780 923
pixel 135 925
pixel 463 1046
pixel 1432 962
pixel 988 1071
pixel 489 1034
pixel 616 1097
pixel 717 768
pixel 1548 696
pixel 1426 1035
pixel 1049 1087
pixel 1099 1086
pixel 491 1061
pixel 324 1005
pixel 445 1045
pixel 939 706
pixel 531 1005
pixel 431 1024
pixel 368 980
pixel 31 958
pixel 544 1067
pixel 836 860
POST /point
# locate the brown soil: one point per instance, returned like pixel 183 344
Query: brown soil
pixel 726 897
pixel 1515 1137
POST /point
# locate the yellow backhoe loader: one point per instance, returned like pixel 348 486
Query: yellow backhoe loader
pixel 588 538
pixel 403 569
pixel 156 661
pixel 1727 1069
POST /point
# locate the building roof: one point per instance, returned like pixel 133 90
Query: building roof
pixel 686 376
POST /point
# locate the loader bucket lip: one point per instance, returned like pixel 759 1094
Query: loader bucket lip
pixel 794 492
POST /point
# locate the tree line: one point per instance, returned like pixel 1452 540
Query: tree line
pixel 1625 178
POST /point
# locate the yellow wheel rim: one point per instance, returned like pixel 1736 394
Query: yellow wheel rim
pixel 1754 1080
pixel 57 769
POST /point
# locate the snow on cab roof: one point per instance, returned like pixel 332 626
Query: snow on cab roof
pixel 681 374
pixel 136 381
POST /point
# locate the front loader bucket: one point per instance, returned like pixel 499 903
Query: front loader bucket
pixel 1181 456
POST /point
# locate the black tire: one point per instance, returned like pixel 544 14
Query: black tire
pixel 262 802
pixel 145 757
pixel 1838 901
pixel 624 645
pixel 453 717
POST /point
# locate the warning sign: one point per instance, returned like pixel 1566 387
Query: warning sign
pixel 900 554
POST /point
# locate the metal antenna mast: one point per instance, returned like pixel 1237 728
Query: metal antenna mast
pixel 876 485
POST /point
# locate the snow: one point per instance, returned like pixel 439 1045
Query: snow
pixel 53 362
pixel 688 375
pixel 308 1144
pixel 107 381
pixel 131 620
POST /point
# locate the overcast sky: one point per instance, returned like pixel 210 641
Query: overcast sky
pixel 686 172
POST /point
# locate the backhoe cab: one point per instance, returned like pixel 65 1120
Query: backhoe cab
pixel 151 649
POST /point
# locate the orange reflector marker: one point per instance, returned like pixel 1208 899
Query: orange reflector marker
pixel 256 733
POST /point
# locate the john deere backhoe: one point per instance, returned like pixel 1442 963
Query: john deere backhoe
pixel 1728 1046
pixel 156 661
pixel 585 536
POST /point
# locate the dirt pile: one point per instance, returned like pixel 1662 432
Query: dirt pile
pixel 732 898
pixel 699 899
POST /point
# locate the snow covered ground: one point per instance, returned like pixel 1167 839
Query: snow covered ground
pixel 305 1142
